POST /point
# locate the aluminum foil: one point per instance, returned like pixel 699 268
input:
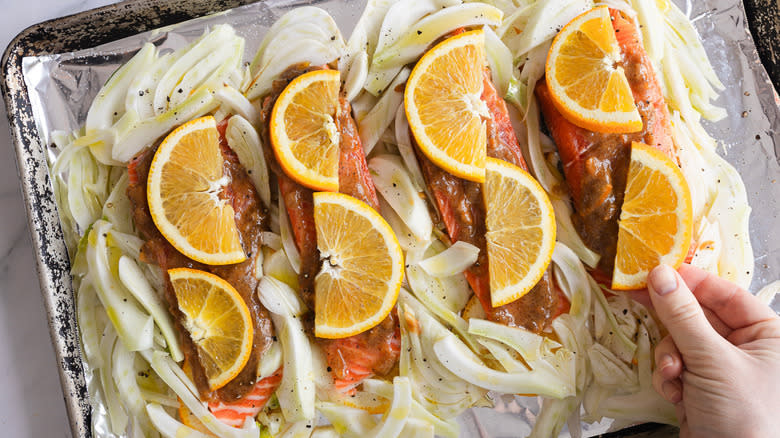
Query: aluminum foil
pixel 61 88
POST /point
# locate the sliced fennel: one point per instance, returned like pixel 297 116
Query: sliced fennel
pixel 133 326
pixel 129 244
pixel 768 292
pixel 298 429
pixel 88 311
pixel 515 20
pixel 288 242
pixel 554 368
pixel 435 387
pixel 124 376
pixel 117 415
pixel 306 22
pixel 610 371
pixel 543 23
pixel 606 328
pixel 399 411
pixel 500 60
pixel 418 415
pixel 403 15
pixel 555 413
pixel 529 345
pixel 378 119
pixel 644 405
pixel 278 266
pixel 118 210
pixel 168 426
pixel 731 210
pixel 232 100
pixel 325 432
pixel 709 245
pixel 313 52
pixel 172 375
pixel 365 35
pixel 416 428
pixel 398 18
pixel 87 184
pixel 358 72
pixel 396 186
pixel 553 416
pixel 140 98
pixel 133 134
pixel 349 422
pixel 195 64
pixel 297 390
pixel 681 33
pixel 109 102
pixel 220 69
pixel 720 206
pixel 403 140
pixel 462 362
pixel 271 361
pixel 133 279
pixel 441 296
pixel 406 238
pixel 418 412
pixel 162 399
pixel 504 354
pixel 553 185
pixel 271 240
pixel 417 38
pixel 454 260
pixel 177 88
pixel 245 142
pixel 573 281
pixel 279 298
pixel 303 35
pixel 651 22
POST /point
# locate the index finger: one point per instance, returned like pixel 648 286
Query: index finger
pixel 735 306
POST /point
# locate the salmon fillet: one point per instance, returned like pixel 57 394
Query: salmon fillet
pixel 596 164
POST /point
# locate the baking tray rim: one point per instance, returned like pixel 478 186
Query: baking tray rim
pixel 94 27
pixel 51 256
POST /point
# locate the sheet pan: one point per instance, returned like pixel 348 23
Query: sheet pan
pixel 53 69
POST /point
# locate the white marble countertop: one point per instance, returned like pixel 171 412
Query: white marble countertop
pixel 32 402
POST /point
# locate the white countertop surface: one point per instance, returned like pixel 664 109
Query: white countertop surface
pixel 32 402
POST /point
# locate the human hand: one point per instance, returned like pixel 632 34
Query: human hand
pixel 720 363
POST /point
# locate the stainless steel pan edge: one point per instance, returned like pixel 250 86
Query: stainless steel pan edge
pixel 74 32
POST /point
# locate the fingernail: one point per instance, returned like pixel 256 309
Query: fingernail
pixel 662 280
pixel 666 362
pixel 671 392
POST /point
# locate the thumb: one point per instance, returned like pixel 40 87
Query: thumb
pixel 679 311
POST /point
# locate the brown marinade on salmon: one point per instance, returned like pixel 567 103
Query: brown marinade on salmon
pixel 596 164
pixel 376 350
pixel 462 209
pixel 251 220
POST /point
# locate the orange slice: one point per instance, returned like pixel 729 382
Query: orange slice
pixel 218 321
pixel 304 134
pixel 183 188
pixel 656 221
pixel 362 266
pixel 444 107
pixel 587 85
pixel 520 231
